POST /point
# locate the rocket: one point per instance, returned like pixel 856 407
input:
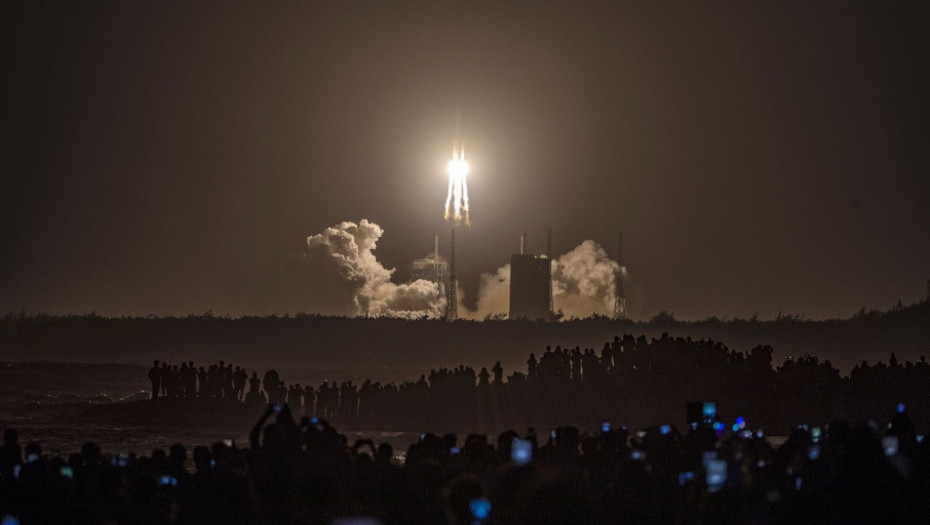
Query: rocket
pixel 457 195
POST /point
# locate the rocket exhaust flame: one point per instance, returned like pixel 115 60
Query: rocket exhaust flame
pixel 457 169
pixel 457 196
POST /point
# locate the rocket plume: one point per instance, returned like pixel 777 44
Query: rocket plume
pixel 457 196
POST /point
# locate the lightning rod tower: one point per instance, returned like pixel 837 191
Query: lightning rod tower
pixel 549 260
pixel 452 299
pixel 619 298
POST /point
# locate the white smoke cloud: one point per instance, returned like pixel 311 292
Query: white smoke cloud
pixel 343 277
pixel 415 300
pixel 584 281
pixel 340 275
pixel 583 284
pixel 493 294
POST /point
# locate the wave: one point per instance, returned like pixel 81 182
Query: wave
pixel 14 398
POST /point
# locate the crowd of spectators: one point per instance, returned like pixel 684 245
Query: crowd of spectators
pixel 307 472
pixel 187 381
pixel 631 379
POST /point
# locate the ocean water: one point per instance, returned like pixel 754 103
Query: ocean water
pixel 44 401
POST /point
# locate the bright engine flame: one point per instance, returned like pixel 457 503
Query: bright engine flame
pixel 457 196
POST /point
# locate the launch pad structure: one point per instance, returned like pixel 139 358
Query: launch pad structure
pixel 433 268
pixel 530 275
pixel 531 287
pixel 619 298
pixel 452 299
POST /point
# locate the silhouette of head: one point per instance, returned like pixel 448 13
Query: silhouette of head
pixel 33 448
pixel 202 458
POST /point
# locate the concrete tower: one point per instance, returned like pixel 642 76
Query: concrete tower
pixel 530 285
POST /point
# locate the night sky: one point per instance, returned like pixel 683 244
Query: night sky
pixel 169 157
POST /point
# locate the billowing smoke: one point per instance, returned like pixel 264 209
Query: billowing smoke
pixel 343 277
pixel 340 275
pixel 413 301
pixel 493 294
pixel 583 284
pixel 584 281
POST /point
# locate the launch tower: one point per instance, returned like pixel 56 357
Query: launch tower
pixel 433 269
pixel 619 298
pixel 452 300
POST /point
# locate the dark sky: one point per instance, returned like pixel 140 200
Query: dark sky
pixel 167 157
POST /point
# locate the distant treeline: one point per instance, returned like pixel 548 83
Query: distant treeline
pixel 396 344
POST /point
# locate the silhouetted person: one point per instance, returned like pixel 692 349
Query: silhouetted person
pixel 270 382
pixel 203 379
pixel 190 382
pixel 323 401
pixel 309 398
pixel 576 364
pixel 239 379
pixel 483 376
pixel 294 395
pixel 348 403
pixel 155 377
pixel 255 395
pixel 498 371
pixel 531 364
pixel 229 385
pixel 182 380
pixel 221 380
pixel 163 374
pixel 170 378
pixel 11 453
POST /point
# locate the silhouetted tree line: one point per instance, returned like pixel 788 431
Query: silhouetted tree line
pixel 631 379
pixel 357 343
